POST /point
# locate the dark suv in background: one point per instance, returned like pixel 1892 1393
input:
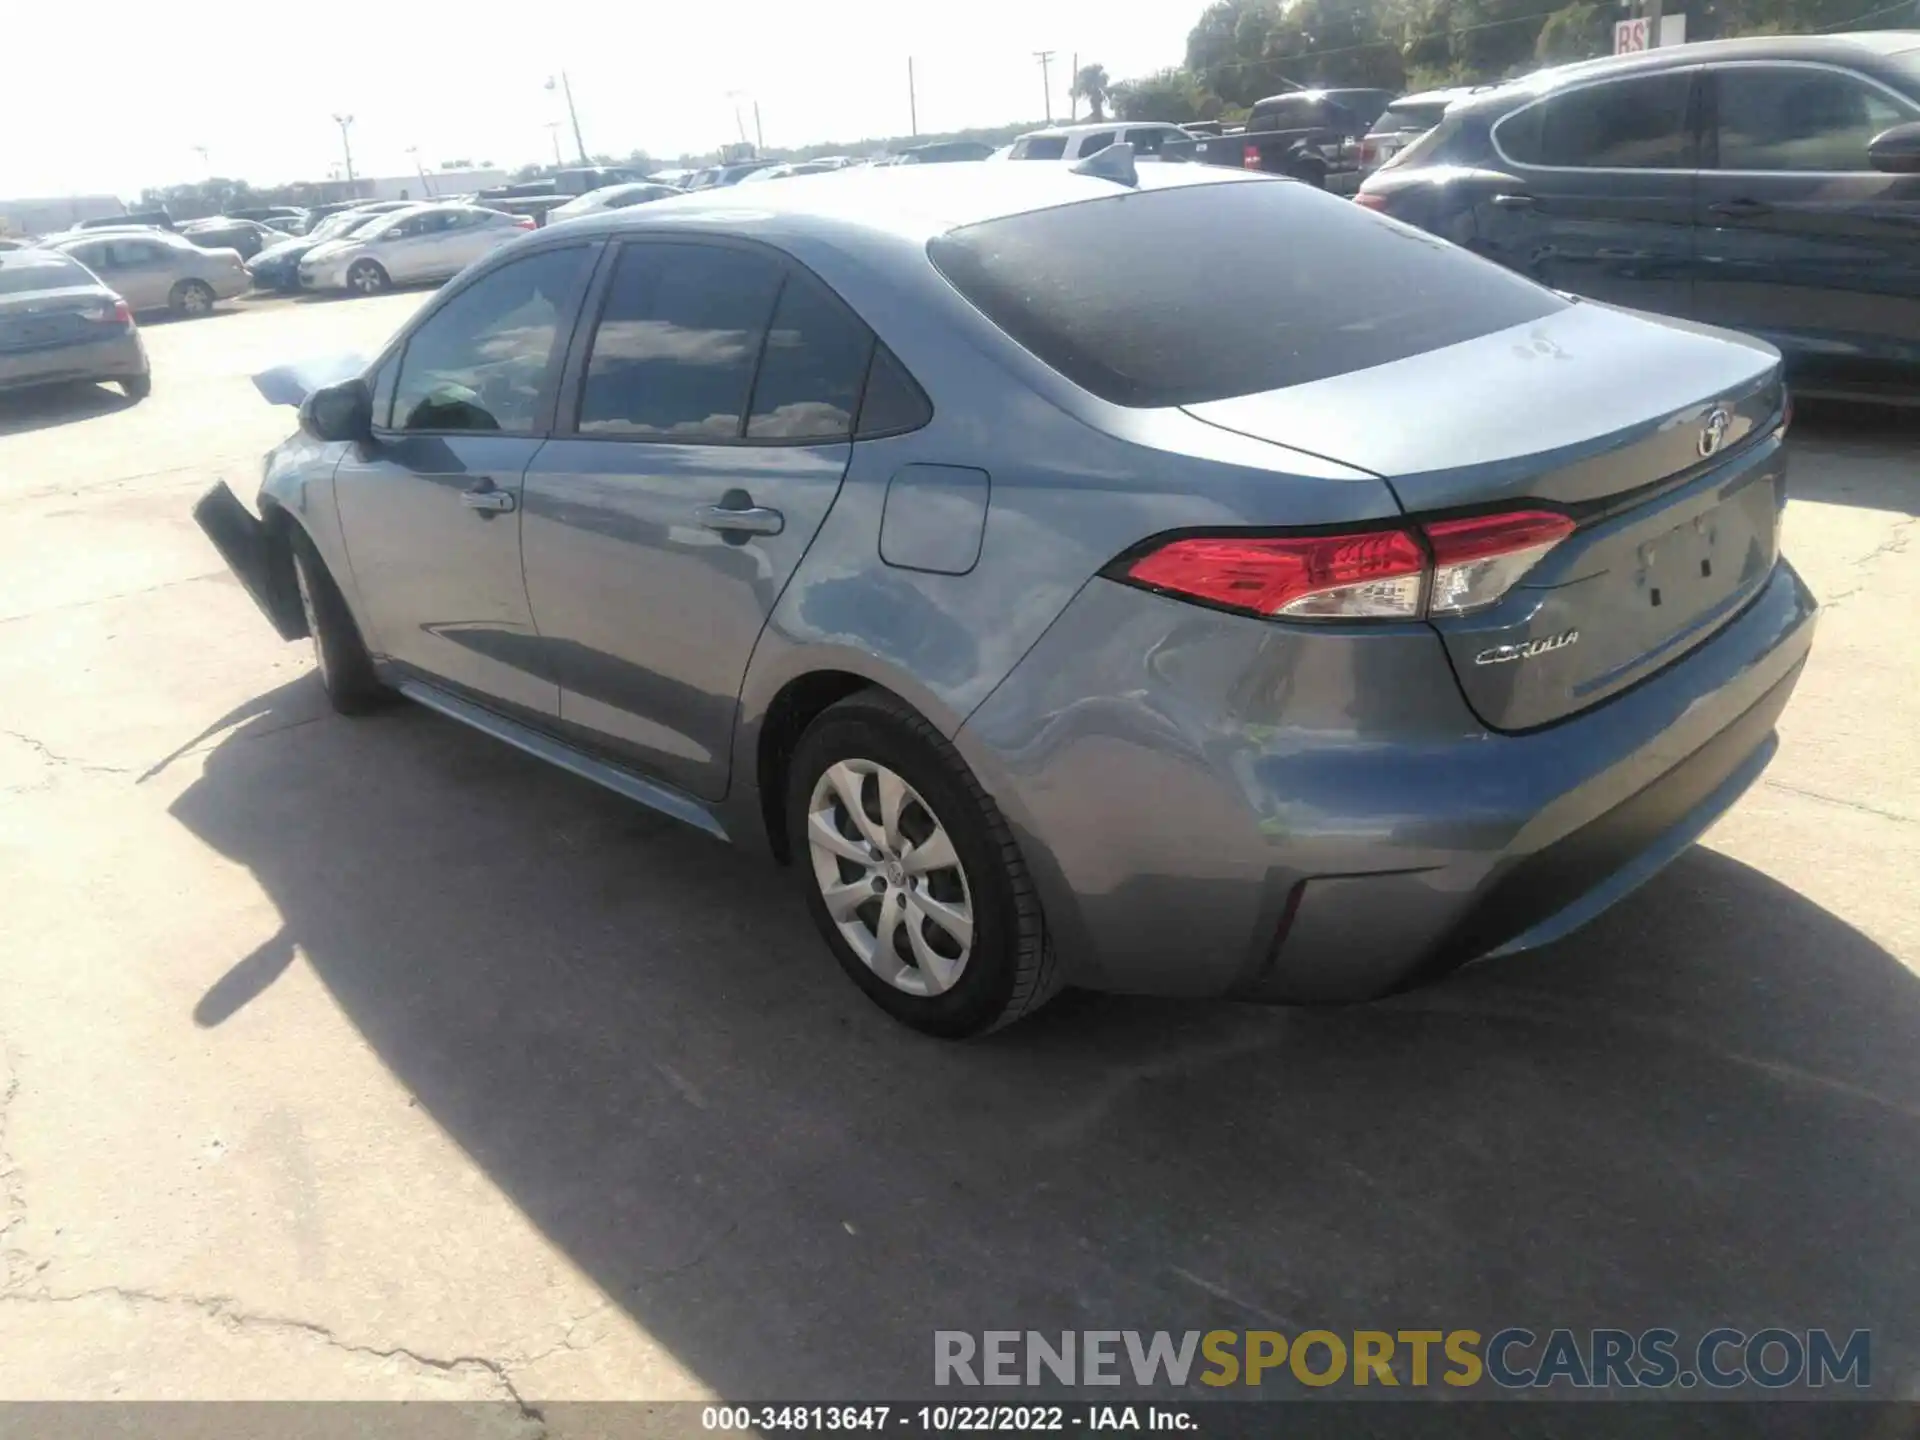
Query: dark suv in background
pixel 1312 135
pixel 1770 185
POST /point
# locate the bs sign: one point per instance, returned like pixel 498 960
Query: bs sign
pixel 1630 37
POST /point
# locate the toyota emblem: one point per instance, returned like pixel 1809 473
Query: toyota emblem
pixel 1713 434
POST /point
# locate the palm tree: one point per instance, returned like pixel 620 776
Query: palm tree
pixel 1093 86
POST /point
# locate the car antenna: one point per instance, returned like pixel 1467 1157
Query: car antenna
pixel 1113 163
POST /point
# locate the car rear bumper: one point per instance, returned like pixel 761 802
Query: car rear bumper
pixel 1217 805
pixel 118 357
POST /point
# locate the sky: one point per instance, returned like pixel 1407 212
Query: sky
pixel 119 106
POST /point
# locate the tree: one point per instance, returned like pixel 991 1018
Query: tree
pixel 1172 95
pixel 1093 86
pixel 1574 32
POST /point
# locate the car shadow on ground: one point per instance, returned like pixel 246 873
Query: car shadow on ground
pixel 44 407
pixel 1702 1110
pixel 1879 444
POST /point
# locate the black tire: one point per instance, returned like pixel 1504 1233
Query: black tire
pixel 137 387
pixel 339 655
pixel 1011 970
pixel 368 277
pixel 192 297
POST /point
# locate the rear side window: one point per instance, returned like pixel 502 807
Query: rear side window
pixel 1040 147
pixel 1145 326
pixel 678 341
pixel 1095 143
pixel 811 368
pixel 1632 124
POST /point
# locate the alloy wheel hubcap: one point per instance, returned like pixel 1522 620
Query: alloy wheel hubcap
pixel 890 878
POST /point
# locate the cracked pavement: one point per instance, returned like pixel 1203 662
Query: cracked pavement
pixel 373 1060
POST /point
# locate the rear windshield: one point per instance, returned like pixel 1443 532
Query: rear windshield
pixel 1295 286
pixel 1041 147
pixel 1412 117
pixel 47 270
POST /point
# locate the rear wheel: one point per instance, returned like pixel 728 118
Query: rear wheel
pixel 367 277
pixel 191 297
pixel 912 874
pixel 346 670
pixel 137 387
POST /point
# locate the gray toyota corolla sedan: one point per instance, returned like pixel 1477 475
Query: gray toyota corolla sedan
pixel 1061 605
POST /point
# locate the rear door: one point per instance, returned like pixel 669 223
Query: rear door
pixel 704 434
pixel 139 270
pixel 1604 199
pixel 1799 239
pixel 430 510
pixel 411 253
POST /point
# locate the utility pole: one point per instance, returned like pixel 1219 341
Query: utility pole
pixel 345 122
pixel 553 132
pixel 421 171
pixel 1073 91
pixel 759 140
pixel 1045 57
pixel 913 100
pixel 566 89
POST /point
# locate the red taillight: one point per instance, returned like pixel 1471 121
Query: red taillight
pixel 1462 565
pixel 114 314
pixel 1377 574
pixel 1367 151
pixel 1478 560
pixel 1370 200
pixel 525 222
pixel 1250 157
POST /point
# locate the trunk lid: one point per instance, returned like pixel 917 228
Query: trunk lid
pixel 1597 413
pixel 43 318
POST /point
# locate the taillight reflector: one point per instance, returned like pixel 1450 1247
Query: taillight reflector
pixel 1375 575
pixel 1250 157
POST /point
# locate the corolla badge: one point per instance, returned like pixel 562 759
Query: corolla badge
pixel 1713 434
pixel 1527 649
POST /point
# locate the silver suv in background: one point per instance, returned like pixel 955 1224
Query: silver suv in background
pixel 1402 123
pixel 159 270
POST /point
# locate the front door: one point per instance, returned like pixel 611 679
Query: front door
pixel 1800 240
pixel 431 510
pixel 714 412
pixel 1603 200
pixel 139 270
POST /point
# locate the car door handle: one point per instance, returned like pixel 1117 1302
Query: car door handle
pixel 1740 207
pixel 1508 200
pixel 748 519
pixel 488 499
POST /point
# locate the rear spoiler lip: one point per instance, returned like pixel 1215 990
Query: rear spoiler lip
pixel 290 384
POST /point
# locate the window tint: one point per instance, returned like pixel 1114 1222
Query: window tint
pixel 675 350
pixel 1095 143
pixel 1635 124
pixel 1146 326
pixel 893 403
pixel 1147 142
pixel 481 362
pixel 133 252
pixel 811 367
pixel 1398 118
pixel 1797 118
pixel 1041 147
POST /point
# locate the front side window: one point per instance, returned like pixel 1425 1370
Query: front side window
pixel 1632 124
pixel 678 341
pixel 1794 117
pixel 1146 142
pixel 483 361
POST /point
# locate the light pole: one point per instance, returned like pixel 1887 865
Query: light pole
pixel 420 170
pixel 553 133
pixel 345 122
pixel 738 123
pixel 566 88
pixel 913 100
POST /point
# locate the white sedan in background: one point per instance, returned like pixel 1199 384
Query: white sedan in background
pixel 428 242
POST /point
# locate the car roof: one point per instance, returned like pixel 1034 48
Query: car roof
pixel 1089 128
pixel 909 201
pixel 1865 44
pixel 1433 97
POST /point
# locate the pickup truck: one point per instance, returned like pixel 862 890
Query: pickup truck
pixel 1312 135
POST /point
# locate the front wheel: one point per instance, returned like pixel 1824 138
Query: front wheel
pixel 912 874
pixel 367 277
pixel 339 655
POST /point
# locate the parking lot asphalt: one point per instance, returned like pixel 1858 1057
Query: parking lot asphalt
pixel 374 1059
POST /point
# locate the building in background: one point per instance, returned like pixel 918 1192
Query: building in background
pixel 42 217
